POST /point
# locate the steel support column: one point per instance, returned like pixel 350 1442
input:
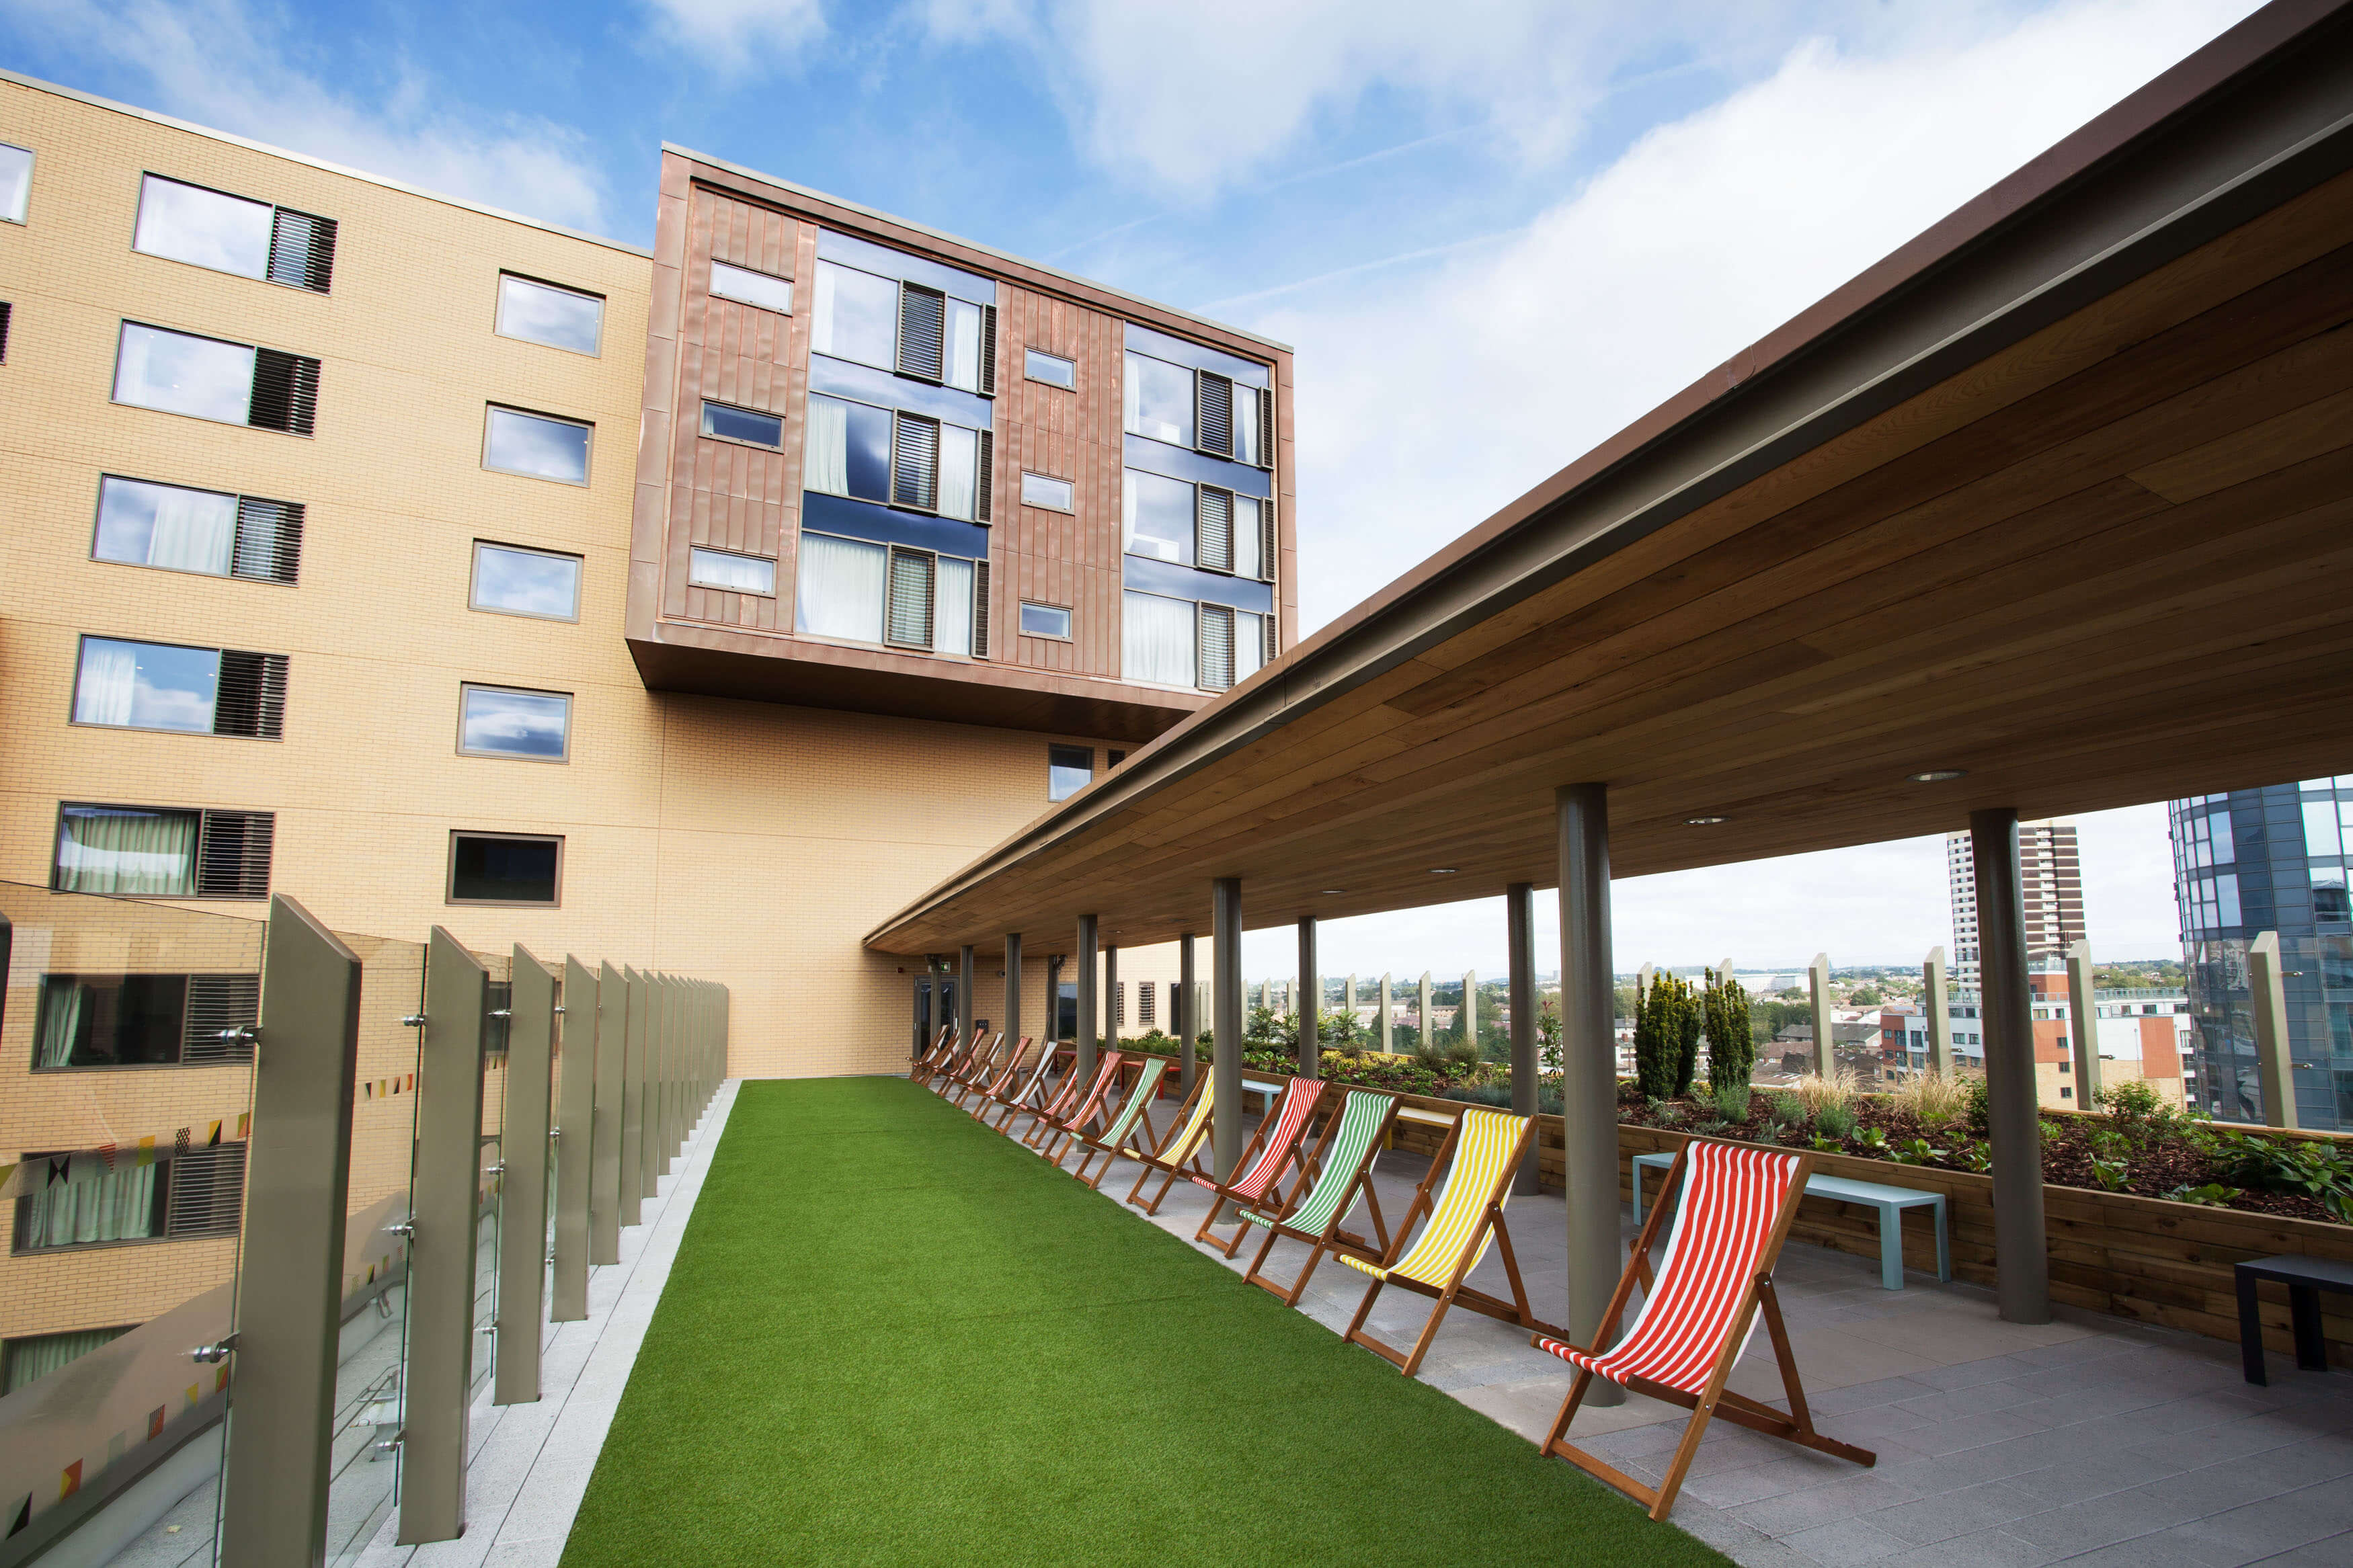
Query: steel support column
pixel 2022 1249
pixel 1089 961
pixel 1226 1022
pixel 1309 1008
pixel 1189 1027
pixel 291 1288
pixel 1588 1049
pixel 965 1013
pixel 611 1023
pixel 1012 1024
pixel 575 1116
pixel 1520 939
pixel 522 1187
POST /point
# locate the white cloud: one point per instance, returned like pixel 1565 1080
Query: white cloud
pixel 741 32
pixel 214 62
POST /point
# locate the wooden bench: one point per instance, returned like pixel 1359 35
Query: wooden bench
pixel 2306 1278
pixel 1889 1203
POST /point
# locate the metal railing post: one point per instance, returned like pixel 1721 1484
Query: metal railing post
pixel 445 1198
pixel 290 1280
pixel 575 1119
pixel 611 1116
pixel 523 1201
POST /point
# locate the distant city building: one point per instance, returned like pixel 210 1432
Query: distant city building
pixel 2269 859
pixel 2141 1036
pixel 2051 877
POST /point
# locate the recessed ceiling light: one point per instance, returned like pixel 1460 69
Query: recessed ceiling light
pixel 1328 892
pixel 1701 821
pixel 1939 775
pixel 1444 870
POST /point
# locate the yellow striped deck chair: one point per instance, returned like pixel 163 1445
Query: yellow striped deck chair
pixel 1108 1142
pixel 1187 1145
pixel 1486 1147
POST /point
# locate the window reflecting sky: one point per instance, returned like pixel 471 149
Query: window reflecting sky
pixel 147 686
pixel 1159 398
pixel 205 228
pixel 503 723
pixel 540 448
pixel 743 424
pixel 526 583
pixel 857 316
pixel 184 374
pixel 751 288
pixel 15 182
pixel 1159 516
pixel 556 317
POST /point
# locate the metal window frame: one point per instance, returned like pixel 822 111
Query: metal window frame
pixel 1065 611
pixel 792 286
pixel 146 175
pixel 30 169
pixel 98 518
pixel 589 460
pixel 73 699
pixel 499 311
pixel 703 432
pixel 931 605
pixel 474 579
pixel 1072 509
pixel 696 582
pixel 1071 386
pixel 467 686
pixel 1054 746
pixel 449 877
pixel 900 417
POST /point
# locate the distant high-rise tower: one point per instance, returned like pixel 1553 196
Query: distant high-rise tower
pixel 2052 878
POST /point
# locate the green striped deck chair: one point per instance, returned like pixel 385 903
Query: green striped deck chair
pixel 1060 1130
pixel 1187 1145
pixel 1484 1147
pixel 1136 1109
pixel 1343 1163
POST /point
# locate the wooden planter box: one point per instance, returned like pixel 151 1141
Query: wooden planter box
pixel 2143 1258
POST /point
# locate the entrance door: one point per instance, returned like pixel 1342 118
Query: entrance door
pixel 936 1009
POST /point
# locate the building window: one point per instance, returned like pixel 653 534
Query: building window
pixel 863 592
pixel 1119 1004
pixel 728 423
pixel 1045 621
pixel 873 454
pixel 857 316
pixel 1198 408
pixel 181 530
pixel 918 332
pixel 498 722
pixel 1206 526
pixel 1159 400
pixel 1069 769
pixel 510 580
pixel 748 287
pixel 505 869
pixel 536 445
pixel 1039 489
pixel 231 234
pixel 88 1021
pixel 192 690
pixel 1146 1010
pixel 543 313
pixel 731 573
pixel 194 1192
pixel 15 182
pixel 35 1356
pixel 211 378
pixel 145 851
pixel 1053 370
pixel 1159 638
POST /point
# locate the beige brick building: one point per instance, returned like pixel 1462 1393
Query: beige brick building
pixel 720 778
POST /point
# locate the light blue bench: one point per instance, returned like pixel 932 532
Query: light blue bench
pixel 1889 1201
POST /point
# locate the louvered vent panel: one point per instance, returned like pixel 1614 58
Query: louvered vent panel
pixel 922 332
pixel 6 309
pixel 285 392
pixel 1213 414
pixel 1217 647
pixel 1266 428
pixel 206 1192
pixel 980 606
pixel 268 539
pixel 1266 624
pixel 910 598
pixel 252 696
pixel 987 353
pixel 1213 528
pixel 233 861
pixel 982 505
pixel 1266 541
pixel 915 464
pixel 218 1003
pixel 302 250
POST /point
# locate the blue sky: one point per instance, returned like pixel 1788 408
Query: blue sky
pixel 1496 230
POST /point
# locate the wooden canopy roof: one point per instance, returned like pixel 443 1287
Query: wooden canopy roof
pixel 2060 495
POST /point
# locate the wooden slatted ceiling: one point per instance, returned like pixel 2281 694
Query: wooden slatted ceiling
pixel 2107 564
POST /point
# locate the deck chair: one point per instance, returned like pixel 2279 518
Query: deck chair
pixel 928 1063
pixel 1699 1310
pixel 1486 1147
pixel 1343 1161
pixel 1181 1154
pixel 1029 1092
pixel 1043 1106
pixel 977 1067
pixel 1060 1131
pixel 991 1089
pixel 1136 1111
pixel 1276 1144
pixel 953 1060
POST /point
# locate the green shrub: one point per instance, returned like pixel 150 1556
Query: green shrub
pixel 2288 1165
pixel 1784 1109
pixel 1835 1121
pixel 1731 1099
pixel 1666 1037
pixel 1731 1037
pixel 1975 1113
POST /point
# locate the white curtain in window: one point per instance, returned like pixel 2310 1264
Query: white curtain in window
pixel 30 1360
pixel 1157 636
pixel 121 852
pixel 1250 644
pixel 1246 539
pixel 841 587
pixel 959 471
pixel 951 607
pixel 115 1206
pixel 825 465
pixel 108 684
pixel 195 530
pixel 60 1016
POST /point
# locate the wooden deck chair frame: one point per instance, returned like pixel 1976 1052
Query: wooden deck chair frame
pixel 1094 1103
pixel 977 1070
pixel 1714 1400
pixel 1044 1104
pixel 959 1057
pixel 1333 1236
pixel 929 1062
pixel 992 1087
pixel 1454 1292
pixel 1181 1153
pixel 1251 1158
pixel 1029 1091
pixel 1151 1073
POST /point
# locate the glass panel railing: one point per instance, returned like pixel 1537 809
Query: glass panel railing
pixel 499 995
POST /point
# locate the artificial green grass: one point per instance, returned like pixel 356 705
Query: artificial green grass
pixel 893 1335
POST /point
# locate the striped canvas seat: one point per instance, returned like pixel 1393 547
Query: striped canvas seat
pixel 1189 1137
pixel 1298 1103
pixel 1148 1084
pixel 1361 1116
pixel 1066 1094
pixel 1089 1107
pixel 1483 1150
pixel 1027 1096
pixel 1732 1194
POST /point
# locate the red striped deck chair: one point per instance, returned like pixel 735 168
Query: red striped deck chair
pixel 977 1065
pixel 1481 1153
pixel 1042 1109
pixel 1277 1145
pixel 1699 1310
pixel 992 1089
pixel 1108 1144
pixel 1030 1092
pixel 927 1063
pixel 1091 1105
pixel 1343 1161
pixel 1186 1146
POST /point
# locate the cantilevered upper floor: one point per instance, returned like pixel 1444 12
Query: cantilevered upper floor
pixel 887 470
